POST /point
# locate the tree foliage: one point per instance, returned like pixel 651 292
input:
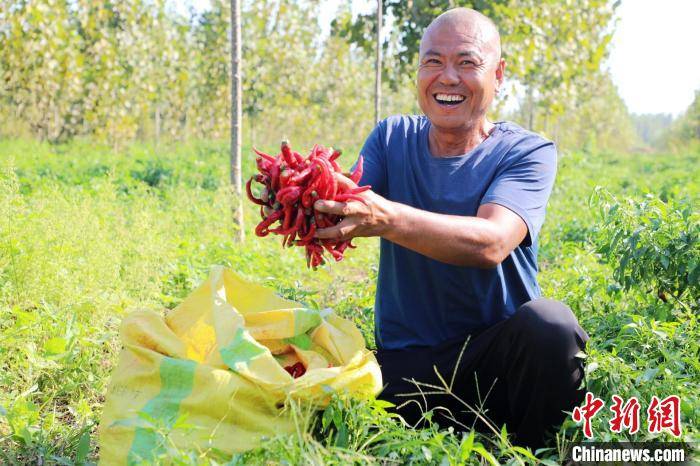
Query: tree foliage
pixel 553 49
pixel 685 130
pixel 651 127
pixel 136 69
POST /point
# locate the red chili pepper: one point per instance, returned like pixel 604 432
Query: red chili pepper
pixel 356 174
pixel 310 195
pixel 284 177
pixel 287 154
pixel 300 177
pixel 263 165
pixel 309 236
pixel 288 195
pixel 296 370
pixel 275 175
pixel 342 246
pixel 292 184
pixel 298 158
pixel 360 189
pixel 250 194
pixel 330 181
pixel 338 256
pixel 321 220
pixel 349 197
pixel 288 210
pixel 265 156
pixel 262 228
pixel 300 218
pixel 314 152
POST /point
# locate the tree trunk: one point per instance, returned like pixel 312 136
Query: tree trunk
pixel 236 117
pixel 157 124
pixel 252 130
pixel 378 66
pixel 557 126
pixel 545 123
pixel 56 124
pixel 531 109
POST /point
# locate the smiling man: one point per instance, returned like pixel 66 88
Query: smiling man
pixel 458 202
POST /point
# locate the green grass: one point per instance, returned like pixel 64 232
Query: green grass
pixel 87 235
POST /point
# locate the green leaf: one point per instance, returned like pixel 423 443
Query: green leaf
pixel 485 454
pixel 427 454
pixel 83 447
pixel 525 452
pixel 648 374
pixel 55 346
pixel 383 404
pixel 467 447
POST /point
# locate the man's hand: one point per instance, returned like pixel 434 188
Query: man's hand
pixel 370 218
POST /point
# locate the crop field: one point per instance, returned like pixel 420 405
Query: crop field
pixel 87 235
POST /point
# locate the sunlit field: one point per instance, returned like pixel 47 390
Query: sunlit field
pixel 88 234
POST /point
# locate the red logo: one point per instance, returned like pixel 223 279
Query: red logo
pixel 661 414
pixel 586 412
pixel 665 415
pixel 625 416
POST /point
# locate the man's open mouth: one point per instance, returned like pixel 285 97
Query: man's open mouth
pixel 449 99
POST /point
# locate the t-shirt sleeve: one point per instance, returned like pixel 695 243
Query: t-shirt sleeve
pixel 524 186
pixel 374 164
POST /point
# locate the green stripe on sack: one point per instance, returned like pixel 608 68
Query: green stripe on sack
pixel 305 319
pixel 176 382
pixel 302 341
pixel 242 349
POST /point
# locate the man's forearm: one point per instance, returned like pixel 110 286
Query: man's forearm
pixel 456 240
pixel 484 240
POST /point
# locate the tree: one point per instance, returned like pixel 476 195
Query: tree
pixel 597 120
pixel 551 47
pixel 236 116
pixel 651 127
pixel 41 67
pixel 378 65
pixel 136 69
pixel 209 62
pixel 685 130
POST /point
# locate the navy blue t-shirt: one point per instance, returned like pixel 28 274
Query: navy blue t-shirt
pixel 421 301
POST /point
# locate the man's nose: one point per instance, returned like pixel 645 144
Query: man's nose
pixel 449 76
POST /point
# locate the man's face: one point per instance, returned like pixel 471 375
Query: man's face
pixel 458 74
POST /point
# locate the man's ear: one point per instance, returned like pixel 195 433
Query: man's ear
pixel 500 73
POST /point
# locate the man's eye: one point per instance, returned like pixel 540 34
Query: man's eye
pixel 467 62
pixel 433 61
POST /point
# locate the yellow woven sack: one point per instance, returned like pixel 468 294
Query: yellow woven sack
pixel 216 363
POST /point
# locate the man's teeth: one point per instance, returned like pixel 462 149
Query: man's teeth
pixel 450 97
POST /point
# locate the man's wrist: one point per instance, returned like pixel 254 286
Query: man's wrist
pixel 391 218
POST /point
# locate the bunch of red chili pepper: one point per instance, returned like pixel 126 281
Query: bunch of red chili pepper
pixel 292 184
pixel 296 370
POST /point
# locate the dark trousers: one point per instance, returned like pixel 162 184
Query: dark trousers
pixel 521 372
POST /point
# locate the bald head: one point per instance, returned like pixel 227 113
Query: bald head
pixel 480 28
pixel 460 70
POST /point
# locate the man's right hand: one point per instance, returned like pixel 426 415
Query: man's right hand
pixel 371 218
